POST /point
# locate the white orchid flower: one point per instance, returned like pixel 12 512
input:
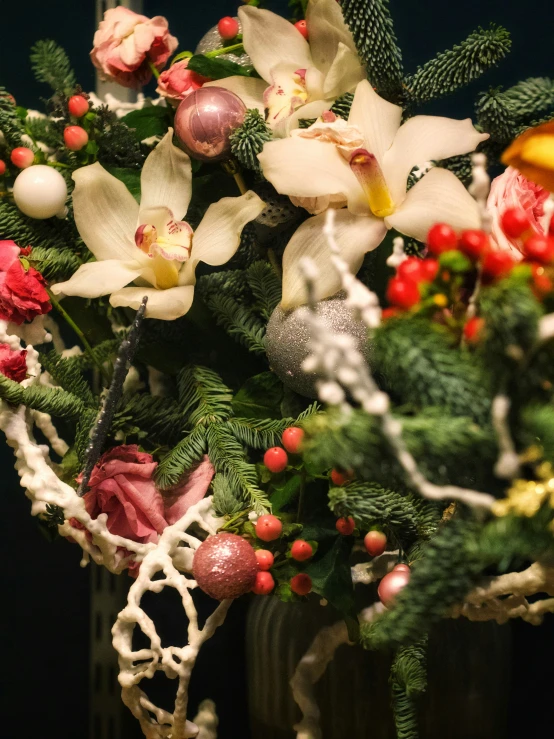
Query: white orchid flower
pixel 151 246
pixel 298 77
pixel 365 165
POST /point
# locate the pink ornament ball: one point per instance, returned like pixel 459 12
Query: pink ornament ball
pixel 391 585
pixel 225 566
pixel 228 28
pixel 204 121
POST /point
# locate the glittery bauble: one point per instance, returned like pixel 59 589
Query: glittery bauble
pixel 287 338
pixel 225 566
pixel 205 119
pixel 40 192
pixel 212 41
pixel 391 585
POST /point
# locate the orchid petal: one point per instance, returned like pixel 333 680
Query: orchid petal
pixel 286 93
pixel 249 89
pixel 166 179
pixel 355 236
pixel 269 40
pixel 218 236
pixel 105 213
pixel 422 139
pixel 308 111
pixel 376 118
pixel 94 279
pixel 439 197
pixel 344 74
pixel 166 305
pixel 327 30
pixel 307 168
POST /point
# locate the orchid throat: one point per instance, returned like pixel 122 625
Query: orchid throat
pixel 370 176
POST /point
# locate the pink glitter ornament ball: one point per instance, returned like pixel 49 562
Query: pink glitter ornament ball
pixel 204 121
pixel 225 566
pixel 391 585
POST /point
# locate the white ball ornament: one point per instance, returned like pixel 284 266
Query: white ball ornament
pixel 40 192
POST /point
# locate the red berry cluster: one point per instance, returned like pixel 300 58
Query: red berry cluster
pixel 276 459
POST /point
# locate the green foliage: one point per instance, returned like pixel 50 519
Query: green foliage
pixel 119 139
pixel 152 120
pixel 53 516
pixel 537 428
pixel 341 106
pixel 11 124
pixel 331 576
pixel 239 322
pixel 228 282
pixel 68 375
pixel 247 141
pixel 420 367
pixel 460 65
pixel 259 433
pixel 183 456
pixel 531 98
pixel 372 29
pixel 224 501
pixel 44 130
pixel 217 68
pixel 408 679
pixel 54 401
pixel 260 397
pixel 55 265
pixel 265 286
pixel 51 65
pixel 129 177
pixel 461 166
pixel 203 397
pixel 48 234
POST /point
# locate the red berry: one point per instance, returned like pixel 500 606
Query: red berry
pixel 264 583
pixel 78 106
pixel 430 269
pixel 345 526
pixel 268 527
pixel 441 237
pixel 301 584
pixel 391 585
pixel 375 543
pixel 388 313
pixel 275 459
pixel 539 248
pixel 303 28
pixel 473 330
pixel 541 281
pixel 410 269
pixel 301 550
pixel 292 439
pixel 2 167
pixel 228 28
pixel 496 264
pixel 514 222
pixel 403 293
pixel 22 157
pixel 473 243
pixel 75 137
pixel 265 559
pixel 341 478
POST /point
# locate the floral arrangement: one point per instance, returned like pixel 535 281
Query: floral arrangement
pixel 275 332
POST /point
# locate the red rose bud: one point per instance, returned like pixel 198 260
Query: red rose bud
pixel 473 243
pixel 473 330
pixel 403 293
pixel 441 237
pixel 13 363
pixel 539 249
pixel 75 138
pixel 78 106
pixel 514 222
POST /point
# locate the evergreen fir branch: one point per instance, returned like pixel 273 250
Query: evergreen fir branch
pixel 370 505
pixel 530 97
pixel 247 141
pixel 461 166
pixel 51 65
pixel 53 516
pixel 372 29
pixel 239 322
pixel 230 282
pixel 417 362
pixel 117 143
pixel 45 131
pixel 203 397
pixel 101 353
pixel 224 501
pixel 48 234
pixel 156 416
pixel 188 451
pixel 460 65
pixel 341 106
pixel 11 124
pixel 537 429
pixel 55 265
pixel 69 377
pixel 408 679
pixel 55 401
pixel 265 286
pixel 258 433
pixel 494 116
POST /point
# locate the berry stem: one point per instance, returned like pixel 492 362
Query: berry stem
pixel 225 50
pixel 61 165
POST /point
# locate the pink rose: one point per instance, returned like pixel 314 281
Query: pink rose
pixel 177 82
pixel 22 292
pixel 512 190
pixel 13 363
pixel 126 43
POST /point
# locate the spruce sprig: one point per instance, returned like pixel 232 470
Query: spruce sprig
pixel 51 65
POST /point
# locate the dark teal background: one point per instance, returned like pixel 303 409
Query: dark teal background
pixel 45 592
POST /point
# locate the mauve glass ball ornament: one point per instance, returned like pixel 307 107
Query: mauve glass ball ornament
pixel 392 584
pixel 204 121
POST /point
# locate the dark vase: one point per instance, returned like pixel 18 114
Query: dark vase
pixel 468 672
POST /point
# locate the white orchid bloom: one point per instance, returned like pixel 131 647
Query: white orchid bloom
pixel 304 77
pixel 151 246
pixel 365 165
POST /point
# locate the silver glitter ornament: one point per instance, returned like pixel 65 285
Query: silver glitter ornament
pixel 287 338
pixel 212 41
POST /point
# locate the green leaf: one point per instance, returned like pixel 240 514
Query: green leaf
pixel 286 492
pixel 151 121
pixel 259 397
pixel 130 178
pixel 92 148
pixel 217 68
pixel 455 261
pixel 331 576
